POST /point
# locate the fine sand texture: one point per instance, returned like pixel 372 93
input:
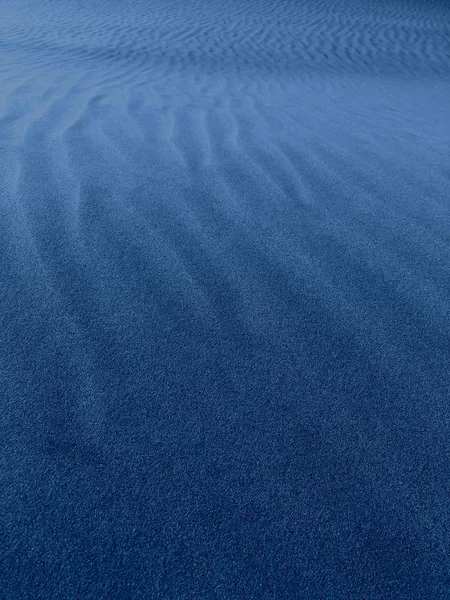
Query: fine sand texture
pixel 225 299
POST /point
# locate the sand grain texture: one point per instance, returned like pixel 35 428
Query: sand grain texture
pixel 225 299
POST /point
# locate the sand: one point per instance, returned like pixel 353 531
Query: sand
pixel 224 299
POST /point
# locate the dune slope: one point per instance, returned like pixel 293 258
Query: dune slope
pixel 225 299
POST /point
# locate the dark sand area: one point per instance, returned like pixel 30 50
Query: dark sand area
pixel 224 300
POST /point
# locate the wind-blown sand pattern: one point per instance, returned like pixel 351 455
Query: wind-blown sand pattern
pixel 225 299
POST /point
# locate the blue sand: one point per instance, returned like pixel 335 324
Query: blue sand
pixel 225 299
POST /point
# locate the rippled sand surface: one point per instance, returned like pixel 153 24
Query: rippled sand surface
pixel 224 299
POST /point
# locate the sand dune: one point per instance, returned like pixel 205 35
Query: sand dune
pixel 225 314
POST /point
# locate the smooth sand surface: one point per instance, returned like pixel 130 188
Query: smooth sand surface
pixel 225 299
